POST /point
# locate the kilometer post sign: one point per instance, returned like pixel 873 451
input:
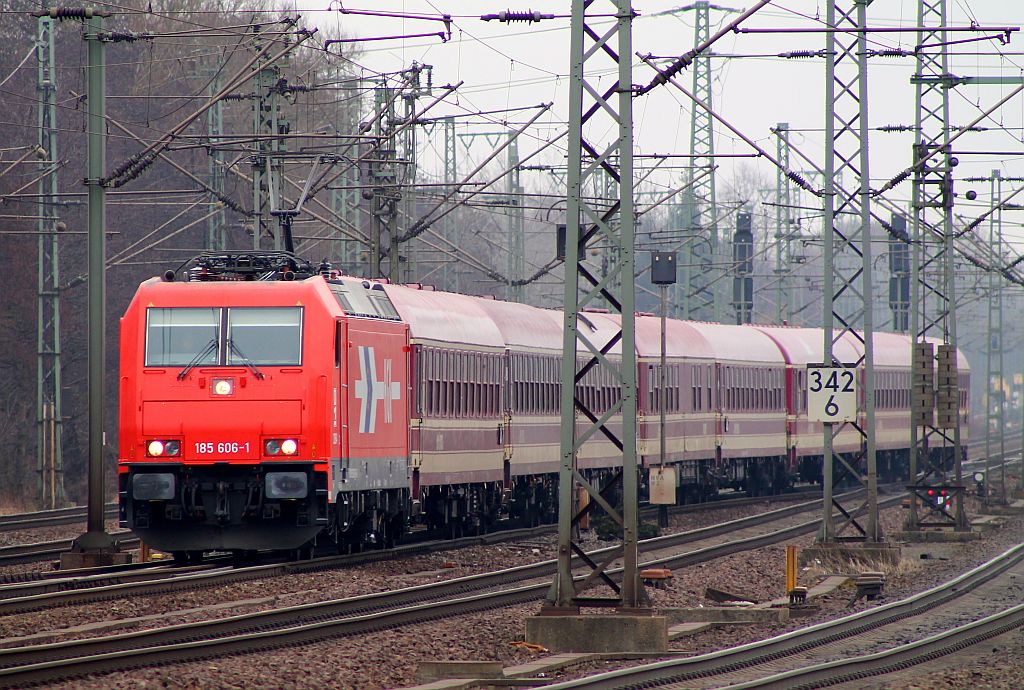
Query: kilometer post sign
pixel 831 393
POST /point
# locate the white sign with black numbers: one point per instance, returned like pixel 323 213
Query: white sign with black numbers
pixel 831 393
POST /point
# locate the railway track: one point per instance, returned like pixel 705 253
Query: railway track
pixel 48 550
pixel 895 659
pixel 50 518
pixel 50 589
pixel 323 620
pixel 41 551
pixel 697 670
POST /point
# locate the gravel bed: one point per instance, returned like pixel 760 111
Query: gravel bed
pixel 761 578
pixel 388 659
pixel 52 533
pixel 138 613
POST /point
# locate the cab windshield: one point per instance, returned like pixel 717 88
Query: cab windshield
pixel 231 336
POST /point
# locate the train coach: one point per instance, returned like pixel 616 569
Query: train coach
pixel 266 404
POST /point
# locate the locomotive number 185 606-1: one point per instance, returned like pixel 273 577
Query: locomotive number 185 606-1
pixel 223 448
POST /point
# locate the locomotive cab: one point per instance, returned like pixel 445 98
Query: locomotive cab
pixel 219 448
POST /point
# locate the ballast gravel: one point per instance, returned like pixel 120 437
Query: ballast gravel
pixel 388 659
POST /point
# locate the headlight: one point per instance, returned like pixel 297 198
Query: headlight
pixel 223 386
pixel 153 487
pixel 276 446
pixel 157 448
pixel 286 485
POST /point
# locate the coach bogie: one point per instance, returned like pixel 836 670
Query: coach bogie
pixel 534 499
pixel 462 509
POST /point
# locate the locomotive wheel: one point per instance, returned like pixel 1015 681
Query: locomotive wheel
pixel 180 557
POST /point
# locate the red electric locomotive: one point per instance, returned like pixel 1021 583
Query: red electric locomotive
pixel 251 397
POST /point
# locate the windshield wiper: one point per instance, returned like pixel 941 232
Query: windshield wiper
pixel 248 363
pixel 194 362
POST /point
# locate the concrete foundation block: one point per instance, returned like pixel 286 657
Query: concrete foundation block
pixel 986 523
pixel 599 633
pixel 1009 508
pixel 73 560
pixel 934 536
pixel 436 670
pixel 851 557
pixel 727 614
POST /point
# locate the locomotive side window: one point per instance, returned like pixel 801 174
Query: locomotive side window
pixel 178 335
pixel 264 335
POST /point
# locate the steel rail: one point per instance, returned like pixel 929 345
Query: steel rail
pixel 41 551
pixel 35 591
pixel 322 620
pixel 49 518
pixel 895 659
pixel 797 641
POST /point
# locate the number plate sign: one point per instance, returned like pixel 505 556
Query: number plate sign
pixel 663 485
pixel 831 393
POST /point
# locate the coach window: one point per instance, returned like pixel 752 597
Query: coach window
pixel 423 397
pixel 435 381
pixel 439 398
pixel 520 383
pixel 474 384
pixel 463 384
pixel 264 335
pixel 466 378
pixel 179 335
pixel 447 383
pixel 485 385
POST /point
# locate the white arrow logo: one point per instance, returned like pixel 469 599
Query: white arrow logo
pixel 370 391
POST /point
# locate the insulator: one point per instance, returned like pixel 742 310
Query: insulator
pixel 71 13
pixel 896 128
pixel 510 16
pixel 798 178
pixel 800 54
pixel 891 53
pixel 126 36
pixel 899 178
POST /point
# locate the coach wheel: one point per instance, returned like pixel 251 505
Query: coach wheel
pixel 195 557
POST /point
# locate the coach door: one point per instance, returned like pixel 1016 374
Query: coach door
pixel 721 421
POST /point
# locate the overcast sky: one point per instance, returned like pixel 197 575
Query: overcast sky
pixel 520 65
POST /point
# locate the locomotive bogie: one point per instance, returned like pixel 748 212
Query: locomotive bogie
pixel 226 507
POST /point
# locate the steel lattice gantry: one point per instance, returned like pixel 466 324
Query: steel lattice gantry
pixel 600 134
pixel 516 245
pixel 848 263
pixel 450 270
pixel 933 289
pixel 996 399
pixel 345 199
pixel 383 177
pixel 784 225
pixel 267 163
pixel 216 238
pixel 702 289
pixel 49 458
